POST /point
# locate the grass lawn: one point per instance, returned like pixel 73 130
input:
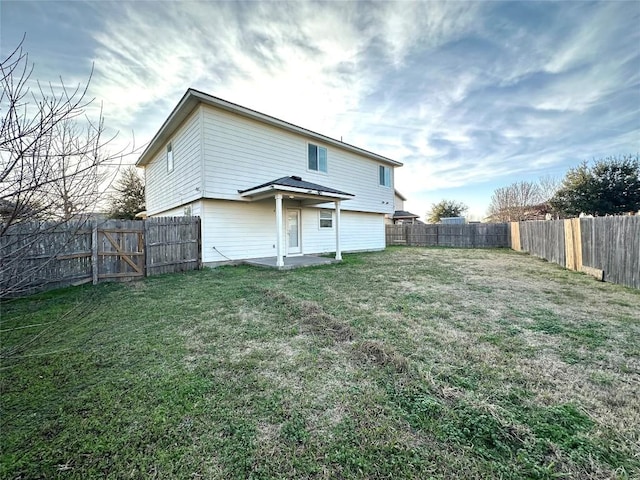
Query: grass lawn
pixel 409 363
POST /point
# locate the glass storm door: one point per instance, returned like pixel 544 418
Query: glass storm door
pixel 293 232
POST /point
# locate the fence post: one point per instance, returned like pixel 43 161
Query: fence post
pixel 569 250
pixel 144 245
pixel 199 228
pixel 577 242
pixel 94 251
pixel 515 236
pixel 572 244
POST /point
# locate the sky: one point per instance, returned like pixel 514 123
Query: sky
pixel 469 96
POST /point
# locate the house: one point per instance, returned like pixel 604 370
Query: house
pixel 264 187
pixel 400 215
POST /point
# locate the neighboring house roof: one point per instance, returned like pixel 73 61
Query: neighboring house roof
pixel 295 184
pixel 404 214
pixel 192 98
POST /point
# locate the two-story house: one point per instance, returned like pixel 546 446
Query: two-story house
pixel 264 187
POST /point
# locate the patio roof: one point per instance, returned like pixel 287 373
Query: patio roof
pixel 295 187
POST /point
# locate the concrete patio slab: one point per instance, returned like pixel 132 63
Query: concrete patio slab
pixel 291 262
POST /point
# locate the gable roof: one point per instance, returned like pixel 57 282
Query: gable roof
pixel 192 98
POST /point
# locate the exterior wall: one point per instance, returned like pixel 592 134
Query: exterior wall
pixel 398 203
pixel 241 153
pixel 237 230
pixel 361 231
pixel 166 190
pixel 182 210
pixel 358 231
pixel 242 230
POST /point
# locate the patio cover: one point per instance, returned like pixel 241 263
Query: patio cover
pixel 307 193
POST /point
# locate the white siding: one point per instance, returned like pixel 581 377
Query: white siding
pixel 316 239
pixel 196 210
pixel 358 231
pixel 237 230
pixel 362 231
pixel 241 230
pixel 241 153
pixel 398 203
pixel 166 190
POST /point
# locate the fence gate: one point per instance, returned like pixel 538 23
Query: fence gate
pixel 118 251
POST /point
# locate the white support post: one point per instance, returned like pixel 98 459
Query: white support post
pixel 338 251
pixel 279 232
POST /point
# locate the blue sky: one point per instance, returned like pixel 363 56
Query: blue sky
pixel 470 96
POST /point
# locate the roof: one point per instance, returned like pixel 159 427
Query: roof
pixel 296 184
pixel 404 214
pixel 192 98
pixel 399 195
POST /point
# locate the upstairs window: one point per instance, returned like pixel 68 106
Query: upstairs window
pixel 317 158
pixel 169 157
pixel 385 176
pixel 326 219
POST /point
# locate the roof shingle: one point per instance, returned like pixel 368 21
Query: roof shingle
pixel 297 182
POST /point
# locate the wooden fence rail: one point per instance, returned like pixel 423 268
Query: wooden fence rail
pixel 474 235
pixel 41 256
pixel 605 247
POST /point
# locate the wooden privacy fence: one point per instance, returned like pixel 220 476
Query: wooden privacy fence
pixel 605 247
pixel 42 256
pixel 473 235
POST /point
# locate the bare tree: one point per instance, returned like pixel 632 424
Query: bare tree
pixel 53 164
pixel 513 203
pixel 77 168
pixel 548 186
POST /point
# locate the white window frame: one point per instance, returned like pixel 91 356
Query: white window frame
pixel 170 157
pixel 326 158
pixel 384 176
pixel 320 219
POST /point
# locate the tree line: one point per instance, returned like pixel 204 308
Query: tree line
pixel 608 186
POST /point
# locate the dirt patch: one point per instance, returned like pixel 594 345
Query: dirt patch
pixel 319 321
pixel 383 355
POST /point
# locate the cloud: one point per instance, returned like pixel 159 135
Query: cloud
pixel 464 93
pixel 518 100
pixel 308 63
pixel 251 54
